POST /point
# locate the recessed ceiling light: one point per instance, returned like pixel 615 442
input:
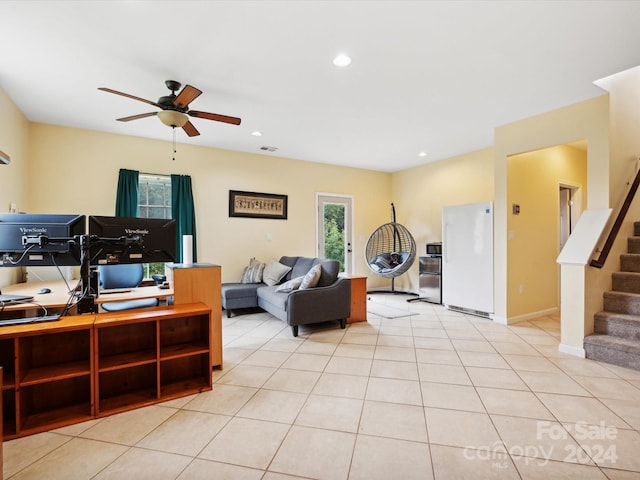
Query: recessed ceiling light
pixel 342 60
pixel 422 154
pixel 256 133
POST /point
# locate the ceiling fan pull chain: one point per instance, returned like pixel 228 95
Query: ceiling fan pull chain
pixel 174 143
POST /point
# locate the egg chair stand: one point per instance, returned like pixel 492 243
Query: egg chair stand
pixel 390 252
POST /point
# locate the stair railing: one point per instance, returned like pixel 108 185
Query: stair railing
pixel 606 249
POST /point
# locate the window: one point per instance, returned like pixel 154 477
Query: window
pixel 154 201
pixel 154 196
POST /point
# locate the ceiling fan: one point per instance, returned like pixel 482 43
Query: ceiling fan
pixel 175 108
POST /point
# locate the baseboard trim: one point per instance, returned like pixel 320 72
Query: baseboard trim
pixel 529 316
pixel 575 351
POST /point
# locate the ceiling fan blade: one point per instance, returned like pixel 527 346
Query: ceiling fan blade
pixel 214 116
pixel 129 96
pixel 190 130
pixel 136 117
pixel 186 96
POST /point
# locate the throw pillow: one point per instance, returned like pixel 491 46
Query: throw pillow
pixel 312 277
pixel 273 272
pixel 253 273
pixel 382 262
pixel 290 286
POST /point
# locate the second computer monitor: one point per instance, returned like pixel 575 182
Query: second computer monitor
pixel 116 240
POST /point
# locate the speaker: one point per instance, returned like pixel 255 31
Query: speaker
pixel 4 158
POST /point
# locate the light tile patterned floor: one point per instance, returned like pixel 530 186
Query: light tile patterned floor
pixel 435 395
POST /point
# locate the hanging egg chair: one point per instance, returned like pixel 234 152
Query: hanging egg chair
pixel 390 250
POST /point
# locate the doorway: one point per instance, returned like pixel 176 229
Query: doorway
pixel 567 211
pixel 548 185
pixel 334 229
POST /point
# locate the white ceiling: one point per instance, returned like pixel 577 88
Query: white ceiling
pixel 433 76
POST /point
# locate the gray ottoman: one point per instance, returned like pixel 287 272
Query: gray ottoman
pixel 239 295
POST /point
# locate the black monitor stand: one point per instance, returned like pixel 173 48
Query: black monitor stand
pixel 88 280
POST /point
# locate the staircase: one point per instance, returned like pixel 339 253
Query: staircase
pixel 616 337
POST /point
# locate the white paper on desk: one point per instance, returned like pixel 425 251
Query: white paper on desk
pixel 187 249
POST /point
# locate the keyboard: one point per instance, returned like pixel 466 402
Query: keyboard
pixel 108 291
pixel 27 320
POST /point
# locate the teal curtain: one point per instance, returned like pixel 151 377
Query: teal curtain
pixel 127 194
pixel 183 211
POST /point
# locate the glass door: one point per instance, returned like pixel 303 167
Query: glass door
pixel 335 230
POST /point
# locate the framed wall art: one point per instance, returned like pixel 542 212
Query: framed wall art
pixel 257 205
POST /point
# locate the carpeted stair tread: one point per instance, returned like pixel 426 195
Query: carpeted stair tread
pixel 630 262
pixel 620 343
pixel 625 282
pixel 622 302
pixel 618 351
pixel 617 324
pixel 633 245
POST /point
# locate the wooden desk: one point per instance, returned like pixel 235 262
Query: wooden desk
pixel 59 296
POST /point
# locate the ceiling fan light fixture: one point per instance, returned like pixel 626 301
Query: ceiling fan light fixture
pixel 171 118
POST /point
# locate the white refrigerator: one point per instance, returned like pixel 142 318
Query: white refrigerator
pixel 467 258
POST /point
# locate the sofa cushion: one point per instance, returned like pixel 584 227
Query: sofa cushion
pixel 273 272
pixel 330 271
pixel 290 262
pixel 312 277
pixel 301 266
pixel 290 285
pixel 232 291
pixel 270 296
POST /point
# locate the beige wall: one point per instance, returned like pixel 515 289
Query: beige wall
pixel 533 181
pixel 624 99
pixel 75 171
pixel 14 141
pixel 420 193
pixel 585 120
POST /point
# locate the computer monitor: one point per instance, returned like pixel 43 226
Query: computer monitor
pixel 28 239
pixel 116 240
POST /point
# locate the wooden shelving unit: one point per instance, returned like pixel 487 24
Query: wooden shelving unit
pixel 48 382
pixel 151 355
pixel 87 366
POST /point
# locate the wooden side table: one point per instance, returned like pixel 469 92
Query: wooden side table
pixel 358 299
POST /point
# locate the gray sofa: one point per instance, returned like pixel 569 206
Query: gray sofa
pixel 329 300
